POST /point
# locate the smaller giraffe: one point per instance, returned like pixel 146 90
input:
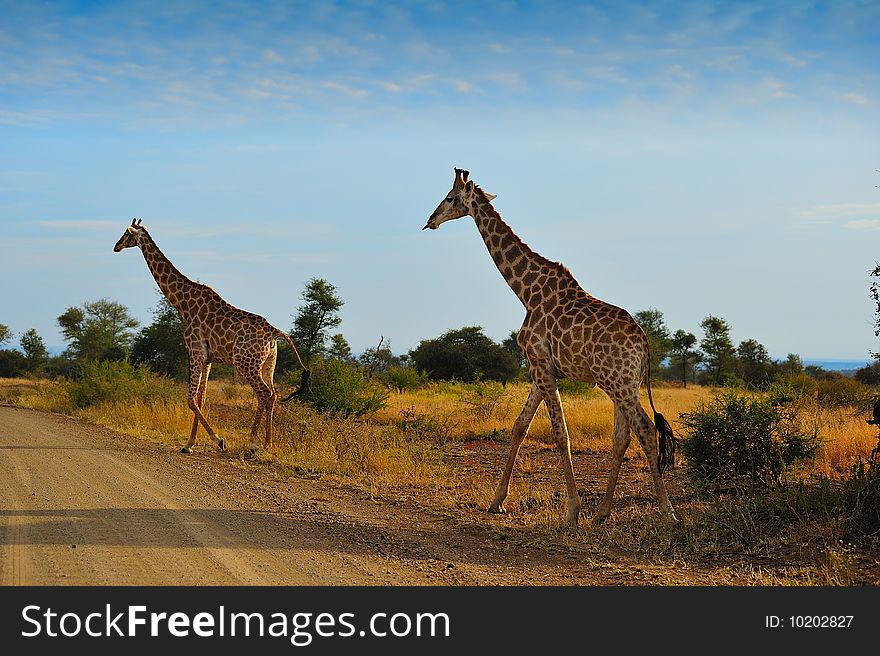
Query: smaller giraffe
pixel 216 331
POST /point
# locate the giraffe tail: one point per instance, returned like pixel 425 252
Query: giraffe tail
pixel 666 438
pixel 306 374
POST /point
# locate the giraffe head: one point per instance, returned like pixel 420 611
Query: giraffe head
pixel 131 236
pixel 457 202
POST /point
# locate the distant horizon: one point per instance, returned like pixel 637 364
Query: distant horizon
pixel 55 350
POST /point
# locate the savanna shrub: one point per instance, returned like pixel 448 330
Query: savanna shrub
pixel 483 398
pixel 743 443
pixel 406 378
pixel 106 380
pixel 570 387
pixel 341 390
pixel 843 393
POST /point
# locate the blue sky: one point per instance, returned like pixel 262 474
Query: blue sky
pixel 694 157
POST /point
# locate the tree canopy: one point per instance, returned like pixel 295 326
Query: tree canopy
pixel 97 330
pixel 465 354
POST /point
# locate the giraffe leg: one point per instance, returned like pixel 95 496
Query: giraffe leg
pixel 520 428
pixel 560 432
pixel 200 401
pixel 646 431
pixel 267 373
pixel 622 437
pixel 262 392
pixel 198 382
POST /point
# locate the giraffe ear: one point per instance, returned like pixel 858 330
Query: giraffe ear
pixel 489 196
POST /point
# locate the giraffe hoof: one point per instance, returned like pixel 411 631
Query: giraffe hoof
pixel 497 509
pixel 221 444
pixel 250 453
pixel 598 520
pixel 185 449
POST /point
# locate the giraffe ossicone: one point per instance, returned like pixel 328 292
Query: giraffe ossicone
pixel 216 331
pixel 567 333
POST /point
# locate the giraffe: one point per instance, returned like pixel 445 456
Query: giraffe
pixel 567 333
pixel 216 331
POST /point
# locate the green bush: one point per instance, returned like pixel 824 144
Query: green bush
pixel 862 492
pixel 843 393
pixel 484 398
pixel 406 378
pixel 742 443
pixel 569 387
pixel 338 389
pixel 117 381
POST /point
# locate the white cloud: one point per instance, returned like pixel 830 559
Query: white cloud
pixel 512 81
pixel 855 98
pixel 463 86
pixel 273 57
pixel 86 224
pixel 345 89
pixel 842 211
pixel 863 224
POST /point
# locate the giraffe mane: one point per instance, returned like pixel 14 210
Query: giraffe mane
pixel 557 265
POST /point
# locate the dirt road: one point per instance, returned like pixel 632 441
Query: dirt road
pixel 80 504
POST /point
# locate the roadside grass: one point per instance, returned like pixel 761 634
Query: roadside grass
pixel 444 446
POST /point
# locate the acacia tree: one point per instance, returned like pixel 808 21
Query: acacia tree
pixel 97 330
pixel 753 363
pixel 5 334
pixel 35 352
pixel 659 340
pixel 684 356
pixel 313 320
pixel 339 348
pixel 717 346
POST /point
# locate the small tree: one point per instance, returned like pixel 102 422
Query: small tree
pixel 684 356
pixel 35 351
pixel 717 346
pixel 160 345
pixel 339 348
pixel 378 360
pixel 659 340
pixel 753 362
pixel 313 320
pixel 5 334
pixel 791 366
pixel 97 330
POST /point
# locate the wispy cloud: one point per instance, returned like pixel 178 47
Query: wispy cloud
pixel 840 211
pixel 345 89
pixel 855 98
pixel 863 224
pixel 78 224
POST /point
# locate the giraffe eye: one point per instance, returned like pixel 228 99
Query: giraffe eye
pixel 449 199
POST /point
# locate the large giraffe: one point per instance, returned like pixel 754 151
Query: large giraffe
pixel 567 333
pixel 215 331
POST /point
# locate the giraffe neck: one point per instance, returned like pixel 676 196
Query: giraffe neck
pixel 528 274
pixel 171 281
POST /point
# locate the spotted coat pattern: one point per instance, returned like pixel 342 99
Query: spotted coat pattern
pixel 567 333
pixel 215 331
